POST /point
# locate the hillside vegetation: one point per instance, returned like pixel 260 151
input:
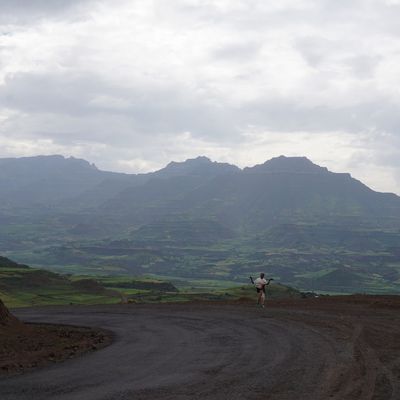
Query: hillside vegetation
pixel 202 220
pixel 21 286
pixel 24 286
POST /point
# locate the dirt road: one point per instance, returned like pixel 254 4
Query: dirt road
pixel 293 350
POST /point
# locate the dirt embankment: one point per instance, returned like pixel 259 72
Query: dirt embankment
pixel 7 320
pixel 26 346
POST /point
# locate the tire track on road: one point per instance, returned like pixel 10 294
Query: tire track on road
pixel 209 352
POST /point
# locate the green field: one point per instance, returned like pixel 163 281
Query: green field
pixel 22 286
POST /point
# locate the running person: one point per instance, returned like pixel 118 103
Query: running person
pixel 260 284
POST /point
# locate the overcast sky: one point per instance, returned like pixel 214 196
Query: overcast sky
pixel 133 84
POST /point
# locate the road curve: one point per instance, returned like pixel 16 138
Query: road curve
pixel 207 352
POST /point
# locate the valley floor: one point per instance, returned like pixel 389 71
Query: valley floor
pixel 337 348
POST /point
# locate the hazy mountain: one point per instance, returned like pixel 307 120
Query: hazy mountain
pixel 201 218
pixel 280 190
pixel 163 193
pixel 293 165
pixel 200 166
pixel 50 181
pixel 45 180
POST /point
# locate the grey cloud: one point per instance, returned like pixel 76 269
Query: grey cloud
pixel 69 100
pixel 253 15
pixel 315 50
pixel 238 52
pixel 66 101
pixel 50 93
pixel 320 52
pixel 290 116
pixel 23 12
pixel 68 104
pixel 364 66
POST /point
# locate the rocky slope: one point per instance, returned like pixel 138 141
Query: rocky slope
pixel 25 346
pixel 6 318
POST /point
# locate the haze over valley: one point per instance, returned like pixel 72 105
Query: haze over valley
pixel 201 220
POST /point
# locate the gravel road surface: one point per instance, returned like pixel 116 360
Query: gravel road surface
pixel 223 351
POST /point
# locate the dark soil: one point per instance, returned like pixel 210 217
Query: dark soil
pixel 27 346
pixel 6 318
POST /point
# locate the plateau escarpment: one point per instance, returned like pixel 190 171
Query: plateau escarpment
pixel 204 220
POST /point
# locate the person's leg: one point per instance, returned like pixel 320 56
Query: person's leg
pixel 262 298
pixel 259 297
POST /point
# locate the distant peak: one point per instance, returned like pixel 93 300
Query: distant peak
pixel 288 164
pixel 198 160
pixel 81 161
pixel 53 161
pixel 201 159
pixel 196 166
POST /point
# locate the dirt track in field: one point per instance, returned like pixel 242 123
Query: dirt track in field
pixel 332 348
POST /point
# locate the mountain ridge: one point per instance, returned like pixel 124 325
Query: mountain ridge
pixel 56 182
pixel 283 164
pixel 190 166
pixel 202 218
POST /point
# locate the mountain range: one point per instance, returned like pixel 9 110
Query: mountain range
pixel 281 187
pixel 200 218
